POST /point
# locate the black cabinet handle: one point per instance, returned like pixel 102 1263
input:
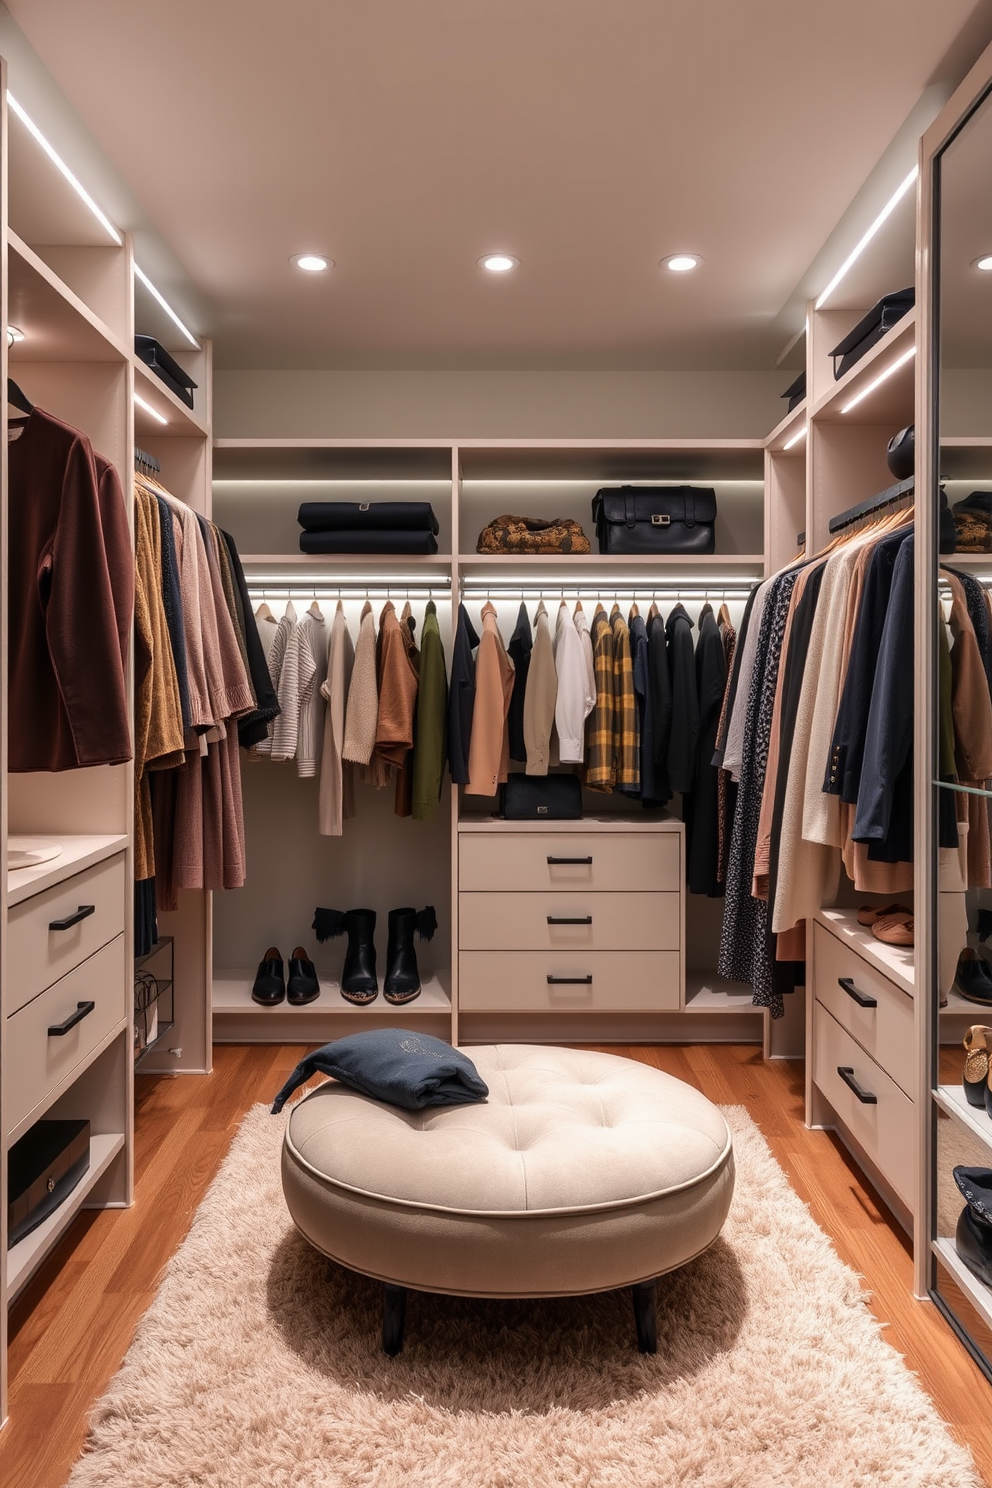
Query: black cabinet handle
pixel 859 997
pixel 584 981
pixel 569 919
pixel 864 1096
pixel 83 1010
pixel 570 860
pixel 82 913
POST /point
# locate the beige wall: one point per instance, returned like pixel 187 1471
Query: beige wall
pixel 498 405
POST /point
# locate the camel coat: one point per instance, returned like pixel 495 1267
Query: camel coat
pixel 489 749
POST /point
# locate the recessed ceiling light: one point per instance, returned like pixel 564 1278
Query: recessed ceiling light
pixel 985 264
pixel 499 263
pixel 311 263
pixel 681 263
pixel 14 334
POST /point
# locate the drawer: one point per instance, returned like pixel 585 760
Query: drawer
pixel 37 955
pixel 886 1129
pixel 884 1031
pixel 34 1061
pixel 584 982
pixel 509 862
pixel 547 921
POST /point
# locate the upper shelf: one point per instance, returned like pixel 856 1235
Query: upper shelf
pixel 179 420
pixel 786 437
pixel 57 325
pixel 890 364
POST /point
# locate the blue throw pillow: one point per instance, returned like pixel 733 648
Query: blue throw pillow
pixel 395 1065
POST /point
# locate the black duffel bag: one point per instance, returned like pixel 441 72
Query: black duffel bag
pixel 655 519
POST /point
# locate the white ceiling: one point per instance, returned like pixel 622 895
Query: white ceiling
pixel 588 137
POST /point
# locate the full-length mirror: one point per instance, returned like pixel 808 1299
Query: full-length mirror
pixel 962 1188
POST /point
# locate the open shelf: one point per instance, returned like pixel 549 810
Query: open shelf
pixel 706 992
pixel 952 1099
pixel 980 1296
pixel 78 852
pixel 232 993
pixel 892 398
pixel 786 429
pixel 609 562
pixel 895 962
pixel 319 563
pixel 24 1258
pixel 180 420
pixel 58 326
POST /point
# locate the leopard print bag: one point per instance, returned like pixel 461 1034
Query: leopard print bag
pixel 532 535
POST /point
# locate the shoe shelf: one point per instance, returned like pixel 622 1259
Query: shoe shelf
pixel 895 962
pixel 977 1293
pixel 952 1100
pixel 707 992
pixel 238 1020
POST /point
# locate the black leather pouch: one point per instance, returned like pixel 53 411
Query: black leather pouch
pixel 541 798
pixel 655 520
pixel 870 329
pixel 44 1167
pixel 165 367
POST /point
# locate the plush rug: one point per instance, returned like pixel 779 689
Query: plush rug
pixel 258 1366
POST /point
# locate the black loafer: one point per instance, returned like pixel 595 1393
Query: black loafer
pixel 269 986
pixel 972 979
pixel 303 986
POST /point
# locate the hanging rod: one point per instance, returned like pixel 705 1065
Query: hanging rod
pixel 610 591
pixel 345 591
pixel 874 504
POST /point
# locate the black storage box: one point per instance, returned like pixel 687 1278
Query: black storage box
pixel 368 516
pixel 165 367
pixel 655 520
pixel 871 328
pixel 43 1168
pixel 541 798
pixel 796 391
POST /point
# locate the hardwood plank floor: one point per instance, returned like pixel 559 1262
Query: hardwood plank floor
pixel 72 1326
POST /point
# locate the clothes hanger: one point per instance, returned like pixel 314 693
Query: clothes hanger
pixel 723 618
pixel 315 610
pixel 263 612
pixel 634 612
pixel 18 399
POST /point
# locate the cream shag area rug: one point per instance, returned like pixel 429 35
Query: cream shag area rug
pixel 258 1366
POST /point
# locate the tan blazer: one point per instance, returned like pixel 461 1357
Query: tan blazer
pixel 489 749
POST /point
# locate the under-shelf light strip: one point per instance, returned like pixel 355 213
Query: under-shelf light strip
pixel 796 437
pixel 60 165
pixel 882 377
pixel 157 294
pixel 880 220
pixel 140 402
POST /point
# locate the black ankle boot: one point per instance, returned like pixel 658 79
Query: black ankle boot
pixel 359 984
pixel 402 982
pixel 973 1240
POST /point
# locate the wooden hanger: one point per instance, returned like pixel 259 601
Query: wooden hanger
pixel 315 610
pixel 654 613
pixel 723 618
pixel 634 612
pixel 263 612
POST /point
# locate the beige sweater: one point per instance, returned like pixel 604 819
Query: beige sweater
pixel 362 710
pixel 540 697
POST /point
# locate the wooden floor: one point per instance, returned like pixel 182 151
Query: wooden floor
pixel 73 1325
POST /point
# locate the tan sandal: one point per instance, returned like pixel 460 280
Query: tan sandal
pixel 894 929
pixel 976 1066
pixel 869 913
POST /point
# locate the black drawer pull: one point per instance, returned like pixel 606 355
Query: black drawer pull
pixel 864 1096
pixel 585 981
pixel 82 913
pixel 569 919
pixel 83 1010
pixel 556 861
pixel 859 997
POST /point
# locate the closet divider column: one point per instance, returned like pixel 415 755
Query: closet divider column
pixel 4 320
pixel 456 501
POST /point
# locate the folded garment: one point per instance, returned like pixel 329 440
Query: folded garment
pixel 392 541
pixel 406 1069
pixel 368 516
pixel 972 529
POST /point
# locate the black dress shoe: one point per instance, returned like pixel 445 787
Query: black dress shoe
pixel 303 986
pixel 972 979
pixel 973 1238
pixel 269 986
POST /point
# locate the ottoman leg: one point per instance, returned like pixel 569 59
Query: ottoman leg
pixel 393 1315
pixel 645 1316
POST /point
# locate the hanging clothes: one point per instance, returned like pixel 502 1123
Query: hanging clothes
pixel 683 738
pixel 641 670
pixel 726 790
pixel 310 734
pixel 660 686
pixel 279 645
pixel 489 749
pixel 252 726
pixel 601 770
pixel 362 711
pixel 541 697
pixel 461 697
pixel 519 650
pixel 626 725
pixel 430 723
pixel 700 807
pixel 335 798
pixel 573 702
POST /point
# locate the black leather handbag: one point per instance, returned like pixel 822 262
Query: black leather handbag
pixel 871 328
pixel 654 520
pixel 165 367
pixel 541 798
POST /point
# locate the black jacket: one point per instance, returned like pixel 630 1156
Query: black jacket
pixel 885 797
pixel 519 649
pixel 700 809
pixel 461 697
pixel 660 687
pixel 252 727
pixel 684 736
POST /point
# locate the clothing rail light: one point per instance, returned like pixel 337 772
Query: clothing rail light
pixel 642 592
pixel 882 377
pixel 796 437
pixel 857 251
pixel 307 581
pixel 156 294
pixel 140 403
pixel 60 165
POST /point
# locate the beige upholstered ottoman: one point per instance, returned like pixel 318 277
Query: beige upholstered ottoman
pixel 583 1172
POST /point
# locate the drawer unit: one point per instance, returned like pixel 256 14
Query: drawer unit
pixel 871 1106
pixel 571 920
pixel 54 931
pixel 569 981
pixel 36 1060
pixel 612 862
pixel 863 1000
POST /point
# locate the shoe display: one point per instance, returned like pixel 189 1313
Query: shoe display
pixel 303 986
pixel 869 913
pixel 269 986
pixel 972 980
pixel 894 929
pixel 359 984
pixel 975 1076
pixel 973 1237
pixel 402 983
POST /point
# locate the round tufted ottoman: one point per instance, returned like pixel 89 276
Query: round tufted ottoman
pixel 583 1172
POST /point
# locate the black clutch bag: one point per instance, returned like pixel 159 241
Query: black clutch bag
pixel 165 367
pixel 541 798
pixel 653 520
pixel 871 328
